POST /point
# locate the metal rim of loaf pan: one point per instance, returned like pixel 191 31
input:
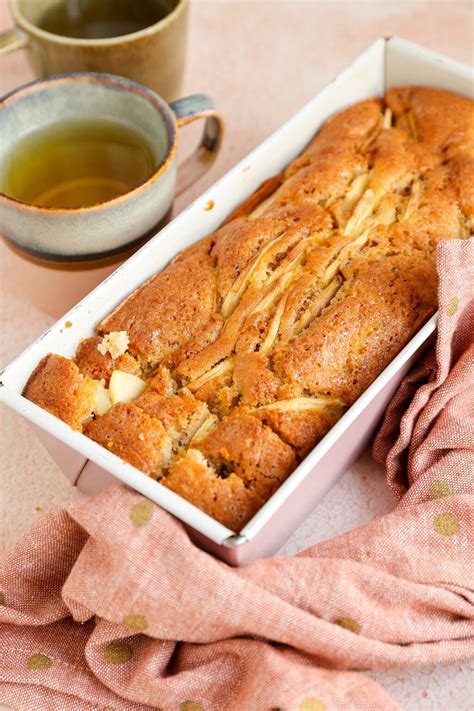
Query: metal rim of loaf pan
pixel 386 62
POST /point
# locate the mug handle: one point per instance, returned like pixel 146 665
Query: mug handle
pixel 187 110
pixel 12 40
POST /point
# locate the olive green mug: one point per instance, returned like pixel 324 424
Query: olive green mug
pixel 153 56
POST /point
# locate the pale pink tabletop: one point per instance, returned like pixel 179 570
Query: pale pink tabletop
pixel 260 60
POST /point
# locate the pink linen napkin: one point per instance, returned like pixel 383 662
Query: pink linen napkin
pixel 107 604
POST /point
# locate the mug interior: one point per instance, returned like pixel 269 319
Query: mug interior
pixel 34 10
pixel 72 97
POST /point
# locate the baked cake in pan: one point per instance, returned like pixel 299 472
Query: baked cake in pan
pixel 220 373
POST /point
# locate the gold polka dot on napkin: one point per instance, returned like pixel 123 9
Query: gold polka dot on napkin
pixel 452 306
pixel 141 513
pixel 348 623
pixel 440 488
pixel 136 622
pixel 38 661
pixel 118 652
pixel 311 704
pixel 446 524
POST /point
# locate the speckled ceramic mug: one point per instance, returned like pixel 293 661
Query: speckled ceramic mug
pixel 100 231
pixel 153 56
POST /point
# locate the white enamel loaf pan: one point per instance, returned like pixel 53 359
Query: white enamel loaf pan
pixel 387 62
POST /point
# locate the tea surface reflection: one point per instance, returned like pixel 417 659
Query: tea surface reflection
pixel 77 163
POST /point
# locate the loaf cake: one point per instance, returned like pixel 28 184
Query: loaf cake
pixel 219 374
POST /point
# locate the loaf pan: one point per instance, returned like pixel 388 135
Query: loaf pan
pixel 387 62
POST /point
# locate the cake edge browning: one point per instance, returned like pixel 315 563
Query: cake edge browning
pixel 57 385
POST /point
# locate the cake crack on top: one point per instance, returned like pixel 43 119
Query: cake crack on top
pixel 232 363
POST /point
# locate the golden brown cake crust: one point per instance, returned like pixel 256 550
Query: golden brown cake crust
pixel 257 338
pixel 169 310
pixel 57 386
pixel 226 499
pixel 245 446
pixel 379 307
pixel 132 435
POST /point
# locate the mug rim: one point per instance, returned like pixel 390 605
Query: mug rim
pixel 33 29
pixel 123 84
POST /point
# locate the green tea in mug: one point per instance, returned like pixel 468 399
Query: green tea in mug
pixel 76 163
pixel 97 19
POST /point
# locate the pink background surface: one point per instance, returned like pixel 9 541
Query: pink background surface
pixel 260 60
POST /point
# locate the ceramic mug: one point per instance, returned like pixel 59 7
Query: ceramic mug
pixel 108 228
pixel 154 56
pixel 56 256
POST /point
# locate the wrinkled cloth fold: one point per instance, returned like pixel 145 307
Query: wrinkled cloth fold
pixel 106 603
